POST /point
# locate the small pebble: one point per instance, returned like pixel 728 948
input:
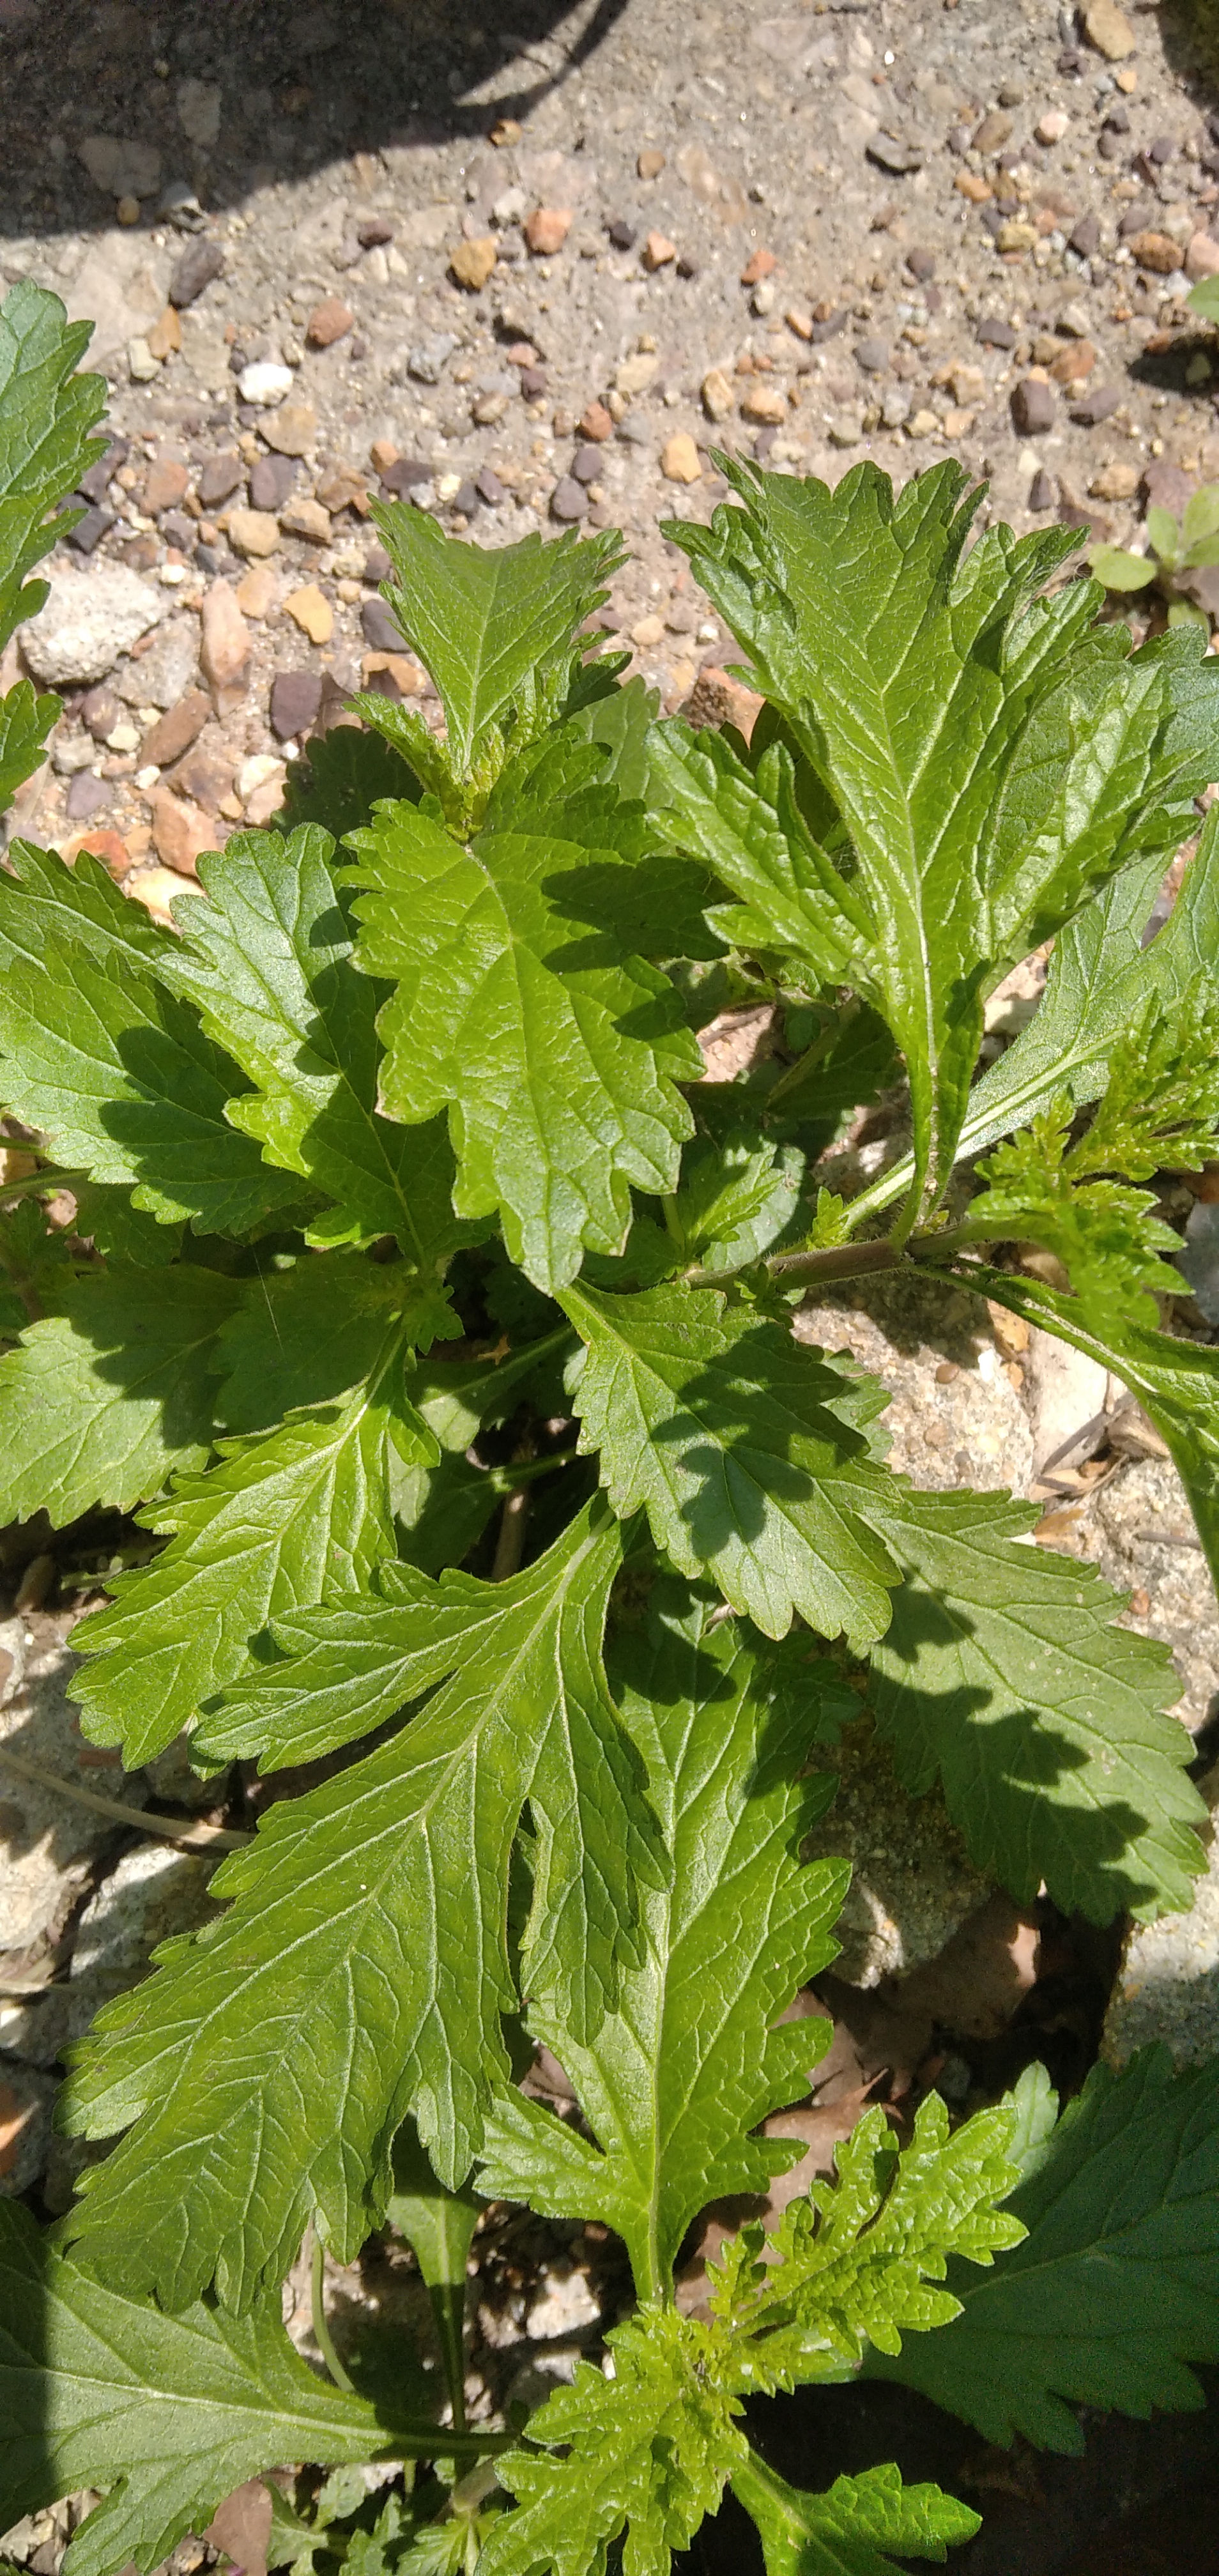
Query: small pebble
pixel 1096 406
pixel 1032 405
pixel 1053 125
pixel 586 464
pixel 329 321
pixel 1043 490
pixel 311 611
pixel 623 235
pixel 473 263
pixel 596 423
pixel 680 461
pixel 296 698
pixel 546 230
pixel 650 163
pixel 874 356
pixel 568 501
pixel 657 251
pixel 271 480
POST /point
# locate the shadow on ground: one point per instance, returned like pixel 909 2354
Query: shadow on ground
pixel 223 96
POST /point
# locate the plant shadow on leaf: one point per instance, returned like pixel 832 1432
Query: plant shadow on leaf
pixel 951 1732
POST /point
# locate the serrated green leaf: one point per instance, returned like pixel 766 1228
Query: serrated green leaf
pixel 648 2451
pixel 341 776
pixel 850 2530
pixel 850 2265
pixel 307 1334
pixel 990 760
pixel 362 1968
pixel 1160 1105
pixel 276 988
pixel 46 414
pixel 25 722
pixel 1200 518
pixel 737 1196
pixel 1176 1382
pixel 169 2413
pixel 1003 1671
pixel 33 1264
pixel 1115 2289
pixel 721 1427
pixel 1103 1233
pixel 103 1400
pixel 555 1051
pixel 489 622
pixel 120 1075
pixel 1100 976
pixel 42 898
pixel 282 1521
pixel 748 827
pixel 106 1217
pixel 691 2062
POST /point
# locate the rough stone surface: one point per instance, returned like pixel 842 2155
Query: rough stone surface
pixel 88 620
pixel 48 1840
pixel 224 653
pixel 158 677
pixel 176 731
pixel 1033 408
pixel 181 831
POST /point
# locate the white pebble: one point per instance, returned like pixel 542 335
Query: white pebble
pixel 265 383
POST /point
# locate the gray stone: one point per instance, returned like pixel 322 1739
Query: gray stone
pixel 296 698
pixel 1067 1396
pixel 1198 1262
pixel 199 112
pixel 873 356
pixel 271 480
pixel 1168 1985
pixel 86 797
pixel 48 1842
pixel 949 1421
pixel 891 153
pixel 122 169
pixel 427 361
pixel 381 629
pixel 1033 408
pixel 220 478
pixel 119 289
pixel 89 619
pixel 160 677
pixel 196 268
pixel 26 2101
pixel 1092 408
pixel 568 501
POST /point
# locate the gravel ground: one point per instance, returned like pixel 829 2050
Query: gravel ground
pixel 886 229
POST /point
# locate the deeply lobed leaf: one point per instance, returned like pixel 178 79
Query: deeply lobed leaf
pixel 1115 2288
pixel 675 2080
pixel 362 1968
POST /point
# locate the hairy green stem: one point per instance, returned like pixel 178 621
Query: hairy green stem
pixel 321 2328
pixel 756 2484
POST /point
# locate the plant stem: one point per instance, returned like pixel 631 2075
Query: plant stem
pixel 317 2308
pixel 195 1837
pixel 505 1480
pixel 510 1545
pixel 838 1261
pixel 755 2481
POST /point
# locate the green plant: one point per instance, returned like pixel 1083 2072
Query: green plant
pixel 401 1206
pixel 1176 550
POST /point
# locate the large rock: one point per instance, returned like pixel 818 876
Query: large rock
pixel 48 1839
pixel 954 1418
pixel 160 677
pixel 120 288
pixel 89 619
